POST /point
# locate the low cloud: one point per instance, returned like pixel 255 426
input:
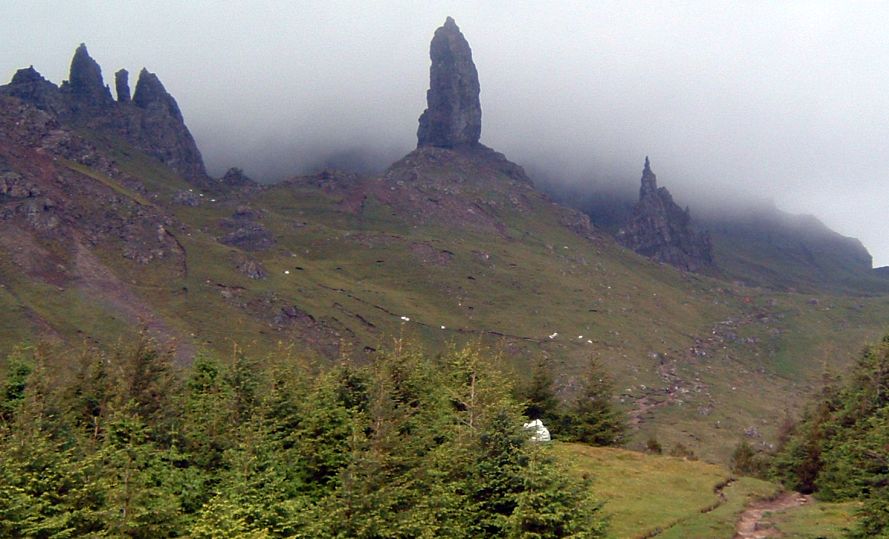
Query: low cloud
pixel 777 101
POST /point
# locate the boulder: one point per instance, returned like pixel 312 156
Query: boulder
pixel 235 178
pixel 249 237
pixel 187 198
pixel 252 269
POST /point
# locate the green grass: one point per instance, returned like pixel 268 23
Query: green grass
pixel 721 521
pixel 667 497
pixel 644 494
pixel 816 520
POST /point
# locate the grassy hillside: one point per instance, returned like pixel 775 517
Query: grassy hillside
pixel 767 247
pixel 447 247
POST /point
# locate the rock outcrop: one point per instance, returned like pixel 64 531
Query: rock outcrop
pixel 160 129
pixel 235 179
pixel 150 120
pixel 453 116
pixel 29 85
pixel 663 231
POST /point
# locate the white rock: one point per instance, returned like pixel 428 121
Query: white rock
pixel 539 432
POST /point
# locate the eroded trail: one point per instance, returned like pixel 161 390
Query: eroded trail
pixel 751 524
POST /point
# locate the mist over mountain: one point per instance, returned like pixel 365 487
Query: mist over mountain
pixel 780 102
pixel 237 370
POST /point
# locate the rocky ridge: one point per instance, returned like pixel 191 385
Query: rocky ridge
pixel 661 230
pixel 151 121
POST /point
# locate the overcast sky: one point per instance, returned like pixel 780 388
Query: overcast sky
pixel 784 100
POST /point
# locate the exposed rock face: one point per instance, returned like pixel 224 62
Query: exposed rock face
pixel 85 82
pixel 161 130
pixel 252 269
pixel 150 121
pixel 244 232
pixel 236 180
pixel 453 116
pixel 187 198
pixel 151 94
pixel 122 85
pixel 29 85
pixel 661 230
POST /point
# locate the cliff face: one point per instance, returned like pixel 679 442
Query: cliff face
pixel 663 231
pixel 150 121
pixel 453 116
pixel 154 123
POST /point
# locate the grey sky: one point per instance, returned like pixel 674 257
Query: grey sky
pixel 785 100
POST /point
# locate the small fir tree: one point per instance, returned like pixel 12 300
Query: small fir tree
pixel 593 418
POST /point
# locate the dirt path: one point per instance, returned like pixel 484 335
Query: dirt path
pixel 751 525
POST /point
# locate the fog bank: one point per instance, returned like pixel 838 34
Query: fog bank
pixel 779 101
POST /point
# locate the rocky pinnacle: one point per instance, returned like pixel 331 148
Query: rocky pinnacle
pixel 150 93
pixel 649 181
pixel 660 229
pixel 85 79
pixel 122 85
pixel 453 116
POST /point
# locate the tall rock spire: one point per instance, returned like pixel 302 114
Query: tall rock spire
pixel 453 116
pixel 660 229
pixel 122 85
pixel 649 180
pixel 85 79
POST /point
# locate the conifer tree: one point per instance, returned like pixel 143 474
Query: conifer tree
pixel 147 385
pixel 593 419
pixel 539 393
pixel 550 506
pixel 47 488
pixel 208 420
pixel 138 480
pixel 91 393
pixel 18 368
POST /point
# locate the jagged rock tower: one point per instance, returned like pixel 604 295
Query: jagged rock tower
pixel 453 117
pixel 662 231
pixel 85 82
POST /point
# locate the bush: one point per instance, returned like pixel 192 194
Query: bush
pixel 653 446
